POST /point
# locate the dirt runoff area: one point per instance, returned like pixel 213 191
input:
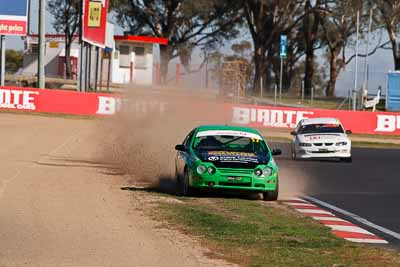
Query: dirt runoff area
pixel 61 202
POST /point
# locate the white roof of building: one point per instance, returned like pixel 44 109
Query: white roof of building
pixel 320 121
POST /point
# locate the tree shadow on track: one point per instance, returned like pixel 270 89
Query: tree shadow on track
pixel 168 185
pixel 163 184
pixel 104 167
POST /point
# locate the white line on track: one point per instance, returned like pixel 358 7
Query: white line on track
pixel 367 240
pixel 4 184
pixel 355 217
pixel 333 219
pixel 300 204
pixel 316 211
pixel 297 199
pixel 57 148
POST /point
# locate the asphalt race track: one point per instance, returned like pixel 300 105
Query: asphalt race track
pixel 369 187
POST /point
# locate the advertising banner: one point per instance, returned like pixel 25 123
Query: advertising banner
pixel 13 17
pixel 362 122
pixel 57 101
pixel 95 22
pixel 100 104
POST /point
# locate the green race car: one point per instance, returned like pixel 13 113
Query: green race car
pixel 226 158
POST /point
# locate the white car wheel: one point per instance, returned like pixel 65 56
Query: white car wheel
pixel 293 153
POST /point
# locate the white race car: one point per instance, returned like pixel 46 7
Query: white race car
pixel 321 138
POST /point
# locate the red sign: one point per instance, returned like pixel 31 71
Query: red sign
pixel 13 17
pixel 362 122
pixel 57 101
pixel 95 22
pixel 98 104
pixel 13 27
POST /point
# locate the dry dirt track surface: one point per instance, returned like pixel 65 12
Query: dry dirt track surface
pixel 60 206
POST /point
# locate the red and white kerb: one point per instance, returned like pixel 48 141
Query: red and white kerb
pixel 340 227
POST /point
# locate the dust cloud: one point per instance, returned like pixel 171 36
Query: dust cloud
pixel 140 139
pixel 294 181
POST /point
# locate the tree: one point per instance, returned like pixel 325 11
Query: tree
pixel 266 21
pixel 338 21
pixel 311 24
pixel 14 60
pixel 186 23
pixel 66 16
pixel 388 15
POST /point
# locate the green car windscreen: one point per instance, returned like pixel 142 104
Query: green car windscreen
pixel 231 149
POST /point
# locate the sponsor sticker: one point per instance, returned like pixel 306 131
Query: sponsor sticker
pixel 234 178
pixel 230 156
pixel 228 132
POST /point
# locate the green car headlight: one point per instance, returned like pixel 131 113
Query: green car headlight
pixel 267 172
pixel 263 172
pixel 258 172
pixel 211 170
pixel 201 169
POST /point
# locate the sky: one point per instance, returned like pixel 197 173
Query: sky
pixel 379 63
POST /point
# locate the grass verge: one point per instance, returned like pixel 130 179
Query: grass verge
pixel 249 233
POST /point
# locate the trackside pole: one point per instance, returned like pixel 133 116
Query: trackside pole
pixel 28 26
pixel 101 69
pixel 312 95
pixel 366 66
pixel 356 64
pixel 89 68
pixel 85 70
pixel 96 76
pixel 81 80
pixel 109 69
pixel 206 74
pixel 177 74
pixel 280 81
pixel 131 68
pixel 3 59
pixel 42 44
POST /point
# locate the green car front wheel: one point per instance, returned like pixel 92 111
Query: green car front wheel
pixel 185 188
pixel 272 195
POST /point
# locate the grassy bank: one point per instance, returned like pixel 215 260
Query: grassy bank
pixel 250 233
